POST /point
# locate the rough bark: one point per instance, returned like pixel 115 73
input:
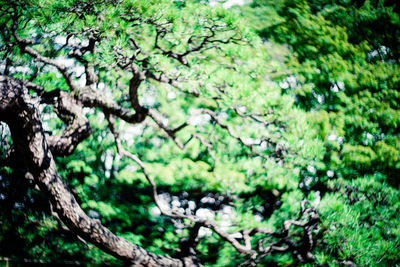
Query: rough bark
pixel 19 110
pixel 78 128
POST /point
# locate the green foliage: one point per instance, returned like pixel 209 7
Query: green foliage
pixel 323 80
pixel 340 74
pixel 343 68
pixel 228 76
pixel 361 219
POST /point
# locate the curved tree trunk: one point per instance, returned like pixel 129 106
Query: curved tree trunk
pixel 19 110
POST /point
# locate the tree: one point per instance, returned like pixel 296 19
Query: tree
pixel 343 68
pixel 80 78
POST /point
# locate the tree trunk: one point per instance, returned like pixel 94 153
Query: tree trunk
pixel 19 110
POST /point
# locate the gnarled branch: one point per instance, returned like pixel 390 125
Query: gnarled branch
pixel 19 110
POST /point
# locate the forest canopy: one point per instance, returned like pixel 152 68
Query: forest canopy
pixel 189 133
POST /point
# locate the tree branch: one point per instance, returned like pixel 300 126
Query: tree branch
pixel 19 110
pixel 78 128
pixel 24 46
